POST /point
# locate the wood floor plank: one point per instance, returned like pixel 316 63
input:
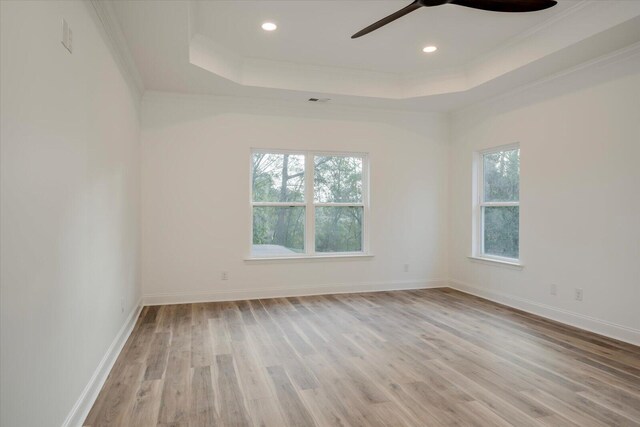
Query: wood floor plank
pixel 165 318
pixel 392 415
pixel 146 408
pixel 435 357
pixel 477 413
pixel 157 358
pixel 201 347
pixel 176 393
pixel 323 411
pixel 252 375
pixel 300 374
pixel 203 410
pixel 295 412
pixel 118 397
pixel 181 328
pixel 266 413
pixel 233 410
pixel 220 339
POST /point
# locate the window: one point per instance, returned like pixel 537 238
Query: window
pixel 308 203
pixel 498 204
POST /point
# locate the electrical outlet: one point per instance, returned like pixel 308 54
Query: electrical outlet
pixel 224 275
pixel 67 36
pixel 406 268
pixel 578 294
pixel 553 289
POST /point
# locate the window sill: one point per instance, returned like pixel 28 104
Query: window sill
pixel 493 261
pixel 302 258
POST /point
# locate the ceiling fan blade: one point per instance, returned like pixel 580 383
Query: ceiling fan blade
pixel 384 21
pixel 507 5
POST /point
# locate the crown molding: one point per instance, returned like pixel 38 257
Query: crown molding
pixel 285 106
pixel 105 15
pixel 260 103
pixel 620 55
pixel 537 29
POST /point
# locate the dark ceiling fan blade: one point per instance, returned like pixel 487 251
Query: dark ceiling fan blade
pixel 507 5
pixel 384 21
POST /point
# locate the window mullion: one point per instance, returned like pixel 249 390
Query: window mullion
pixel 365 205
pixel 481 216
pixel 279 204
pixel 309 232
pixel 480 209
pixel 499 204
pixel 338 205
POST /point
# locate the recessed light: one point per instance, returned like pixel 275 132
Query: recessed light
pixel 269 26
pixel 429 49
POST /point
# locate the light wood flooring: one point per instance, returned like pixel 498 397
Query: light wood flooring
pixel 406 358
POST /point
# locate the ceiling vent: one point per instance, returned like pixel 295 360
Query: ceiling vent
pixel 319 100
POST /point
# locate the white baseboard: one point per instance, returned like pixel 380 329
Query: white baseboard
pixel 90 393
pixel 245 294
pixel 591 324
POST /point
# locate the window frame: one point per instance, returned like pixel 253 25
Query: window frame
pixel 479 204
pixel 310 204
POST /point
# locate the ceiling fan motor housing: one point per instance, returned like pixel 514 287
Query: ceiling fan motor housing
pixel 430 3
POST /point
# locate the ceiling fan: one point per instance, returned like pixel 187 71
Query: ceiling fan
pixel 491 5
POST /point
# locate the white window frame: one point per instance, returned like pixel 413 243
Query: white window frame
pixel 310 205
pixel 479 204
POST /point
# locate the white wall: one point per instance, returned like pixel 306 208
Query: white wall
pixel 195 196
pixel 580 197
pixel 69 208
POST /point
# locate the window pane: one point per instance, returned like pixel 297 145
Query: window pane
pixel 278 177
pixel 339 229
pixel 338 179
pixel 502 176
pixel 278 231
pixel 501 226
